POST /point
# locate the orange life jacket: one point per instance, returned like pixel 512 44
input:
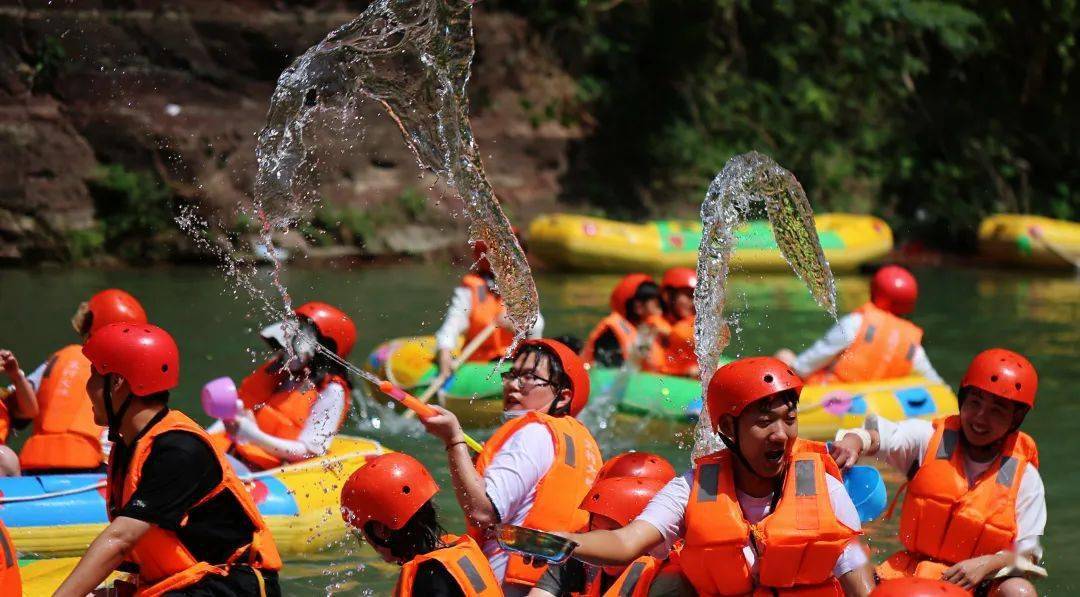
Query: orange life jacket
pixel 635 580
pixel 797 545
pixel 65 435
pixel 165 564
pixel 282 408
pixel 10 577
pixel 5 417
pixel 577 461
pixel 627 336
pixel 463 560
pixel 678 356
pixel 484 311
pixel 884 348
pixel 946 520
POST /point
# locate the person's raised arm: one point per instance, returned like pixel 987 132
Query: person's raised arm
pixel 26 404
pixel 858 582
pixel 103 556
pixel 618 547
pixel 469 486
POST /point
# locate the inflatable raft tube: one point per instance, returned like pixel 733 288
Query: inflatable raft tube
pixel 583 243
pixel 474 392
pixel 58 515
pixel 1030 241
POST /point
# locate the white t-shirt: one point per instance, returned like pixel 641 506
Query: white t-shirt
pixel 904 443
pixel 456 322
pixel 510 481
pixel 667 513
pixel 839 338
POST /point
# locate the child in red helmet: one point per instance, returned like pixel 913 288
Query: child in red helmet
pixel 677 340
pixel 538 465
pixel 389 503
pixel 178 513
pixel 294 403
pixel 618 338
pixel 475 305
pixel 767 513
pixel 873 342
pixel 974 501
pixel 65 438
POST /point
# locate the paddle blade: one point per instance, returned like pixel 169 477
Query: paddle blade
pixel 867 490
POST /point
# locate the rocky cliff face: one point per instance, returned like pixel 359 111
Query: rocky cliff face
pixel 178 90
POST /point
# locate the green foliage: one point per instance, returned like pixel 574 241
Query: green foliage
pixel 932 113
pixel 84 244
pixel 48 64
pixel 134 208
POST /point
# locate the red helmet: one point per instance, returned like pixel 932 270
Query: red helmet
pixel 918 587
pixel 1003 373
pixel 742 382
pixel 894 289
pixel 620 498
pixel 640 465
pixel 389 488
pixel 572 366
pixel 626 289
pixel 679 277
pixel 144 355
pixel 114 306
pixel 332 323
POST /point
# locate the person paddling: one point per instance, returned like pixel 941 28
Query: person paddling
pixel 389 503
pixel 537 467
pixel 178 513
pixel 294 403
pixel 635 305
pixel 873 342
pixel 65 438
pixel 475 305
pixel 975 502
pixel 766 513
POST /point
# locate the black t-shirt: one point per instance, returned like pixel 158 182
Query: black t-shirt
pixel 432 578
pixel 181 470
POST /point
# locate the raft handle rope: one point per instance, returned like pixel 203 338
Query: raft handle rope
pixel 243 478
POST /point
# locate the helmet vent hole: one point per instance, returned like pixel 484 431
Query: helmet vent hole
pixel 406 490
pixel 790 372
pixel 993 378
pixel 1017 386
pixel 126 330
pixel 768 378
pixel 164 367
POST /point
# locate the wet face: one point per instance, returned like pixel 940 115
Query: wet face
pixel 765 432
pixel 528 384
pixel 376 534
pixel 682 302
pixel 986 418
pixel 643 309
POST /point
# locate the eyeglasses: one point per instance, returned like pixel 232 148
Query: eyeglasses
pixel 529 378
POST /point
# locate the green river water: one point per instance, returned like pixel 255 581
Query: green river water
pixel 962 311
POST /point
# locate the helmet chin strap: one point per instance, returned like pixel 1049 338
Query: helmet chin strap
pixel 733 445
pixel 114 418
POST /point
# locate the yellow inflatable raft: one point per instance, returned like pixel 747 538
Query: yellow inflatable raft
pixel 573 242
pixel 59 515
pixel 1030 241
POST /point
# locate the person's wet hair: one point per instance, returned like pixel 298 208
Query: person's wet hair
pixel 559 379
pixel 422 534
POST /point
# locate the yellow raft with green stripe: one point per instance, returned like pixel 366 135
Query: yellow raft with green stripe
pixel 1030 241
pixel 584 243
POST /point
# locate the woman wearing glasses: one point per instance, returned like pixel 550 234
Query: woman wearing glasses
pixel 537 467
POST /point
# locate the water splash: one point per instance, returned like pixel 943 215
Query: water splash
pixel 747 179
pixel 414 58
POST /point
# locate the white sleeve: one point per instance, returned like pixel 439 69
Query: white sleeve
pixel 456 321
pixel 1030 513
pixel 322 425
pixel 538 327
pixel 666 511
pixel 511 478
pixel 314 438
pixel 35 377
pixel 921 365
pixel 838 338
pixel 903 443
pixel 218 426
pixel 853 555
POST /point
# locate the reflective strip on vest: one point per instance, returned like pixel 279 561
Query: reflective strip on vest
pixel 870 331
pixel 633 575
pixel 949 440
pixel 571 451
pixel 708 483
pixel 804 478
pixel 1007 472
pixel 472 574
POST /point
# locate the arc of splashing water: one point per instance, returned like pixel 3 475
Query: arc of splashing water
pixel 414 57
pixel 750 178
